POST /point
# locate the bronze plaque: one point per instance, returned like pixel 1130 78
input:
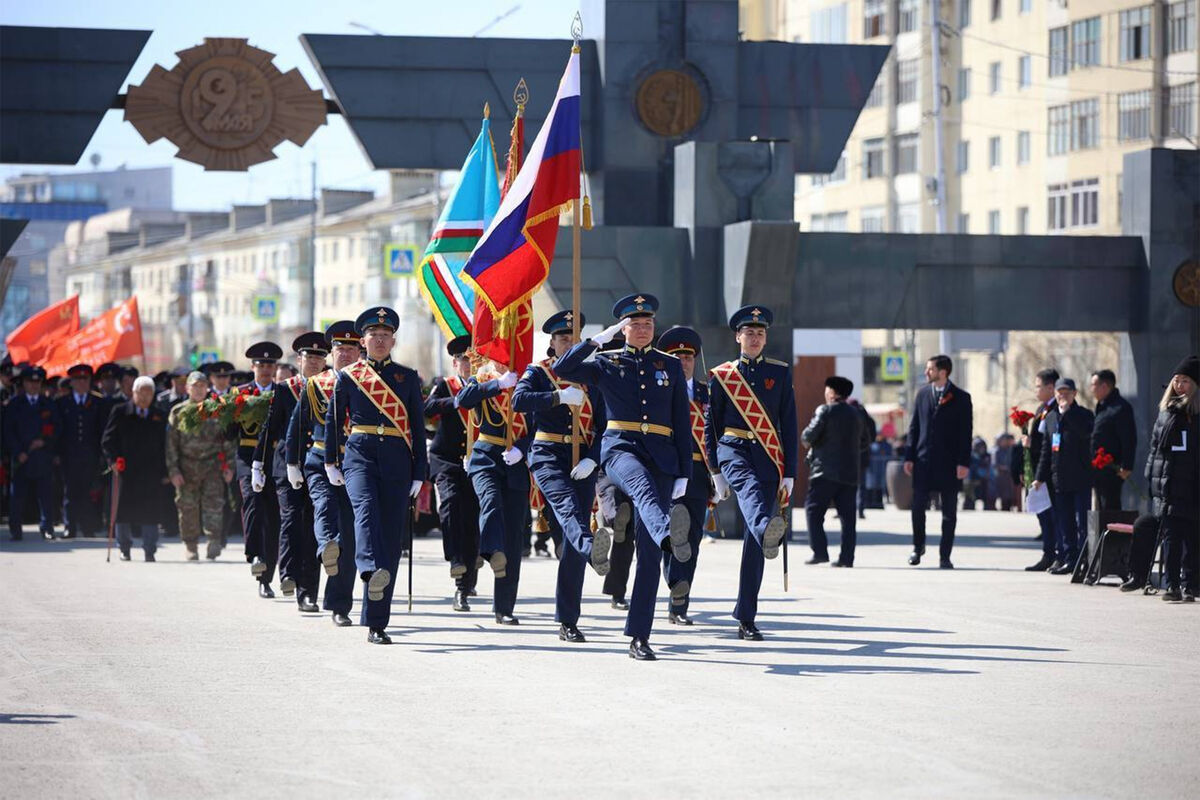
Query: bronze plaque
pixel 1187 283
pixel 669 102
pixel 225 105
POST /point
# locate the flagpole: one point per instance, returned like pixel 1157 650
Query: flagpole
pixel 576 267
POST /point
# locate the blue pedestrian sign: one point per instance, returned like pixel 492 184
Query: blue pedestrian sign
pixel 266 307
pixel 893 366
pixel 400 260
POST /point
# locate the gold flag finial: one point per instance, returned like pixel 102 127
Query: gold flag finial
pixel 521 94
pixel 487 111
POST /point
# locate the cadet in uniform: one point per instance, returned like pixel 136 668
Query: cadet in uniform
pixel 751 437
pixel 83 414
pixel 200 466
pixel 558 411
pixel 646 448
pixel 31 427
pixel 332 514
pixel 260 509
pixel 298 569
pixel 458 508
pixel 176 393
pixel 385 462
pixel 220 374
pixel 500 479
pixel 684 343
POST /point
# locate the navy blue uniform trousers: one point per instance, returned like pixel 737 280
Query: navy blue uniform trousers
pixel 570 502
pixel 260 522
pixel 297 544
pixel 696 503
pixel 43 489
pixel 757 492
pixel 381 517
pixel 458 514
pixel 333 519
pixel 503 525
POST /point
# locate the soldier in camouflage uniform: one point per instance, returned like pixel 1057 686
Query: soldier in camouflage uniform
pixel 200 465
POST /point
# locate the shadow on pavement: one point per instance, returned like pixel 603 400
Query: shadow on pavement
pixel 33 719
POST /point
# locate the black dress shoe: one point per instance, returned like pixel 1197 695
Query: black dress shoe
pixel 378 636
pixel 460 601
pixel 507 619
pixel 945 564
pixel 818 560
pixel 1133 584
pixel 150 557
pixel 680 618
pixel 1172 594
pixel 341 620
pixel 914 558
pixel 264 591
pixel 569 633
pixel 620 604
pixel 124 555
pixel 749 632
pixel 48 536
pixel 15 537
pixel 841 564
pixel 639 650
pixel 542 550
pixel 1041 566
pixel 1189 596
pixel 1055 564
pixel 305 604
pixel 1064 568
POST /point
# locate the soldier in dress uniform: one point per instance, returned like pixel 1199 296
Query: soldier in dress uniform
pixel 220 375
pixel 333 515
pixel 458 508
pixel 646 448
pixel 684 343
pixel 385 462
pixel 176 393
pixel 200 466
pixel 31 429
pixel 108 379
pixel 260 504
pixel 751 437
pixel 299 573
pixel 558 411
pixel 501 479
pixel 83 414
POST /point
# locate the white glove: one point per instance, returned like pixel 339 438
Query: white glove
pixel 788 483
pixel 513 455
pixel 570 396
pixel 584 468
pixel 335 475
pixel 679 489
pixel 295 476
pixel 507 380
pixel 415 489
pixel 258 480
pixel 720 486
pixel 605 336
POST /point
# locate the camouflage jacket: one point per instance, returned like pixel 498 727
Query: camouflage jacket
pixel 207 446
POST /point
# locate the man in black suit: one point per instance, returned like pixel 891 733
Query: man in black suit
pixel 135 445
pixel 939 453
pixel 1116 431
pixel 83 413
pixel 1066 462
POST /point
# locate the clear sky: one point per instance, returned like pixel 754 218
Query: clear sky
pixel 273 25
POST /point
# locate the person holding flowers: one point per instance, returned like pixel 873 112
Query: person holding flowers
pixel 1033 430
pixel 1066 461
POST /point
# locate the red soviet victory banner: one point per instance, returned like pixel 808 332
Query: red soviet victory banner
pixel 36 337
pixel 115 334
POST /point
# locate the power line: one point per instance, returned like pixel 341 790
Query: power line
pixel 1023 51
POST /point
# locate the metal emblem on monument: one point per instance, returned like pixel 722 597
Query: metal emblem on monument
pixel 1187 283
pixel 225 105
pixel 670 102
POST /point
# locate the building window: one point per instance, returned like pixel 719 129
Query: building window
pixel 837 176
pixel 1135 33
pixel 872 219
pixel 1085 203
pixel 1180 110
pixel 910 15
pixel 1058 135
pixel 994 78
pixel 1181 26
pixel 964 13
pixel 836 222
pixel 908 218
pixel 1058 51
pixel 873 158
pixel 962 157
pixel 828 25
pixel 875 98
pixel 1023 147
pixel 1022 220
pixel 994 222
pixel 874 18
pixel 350 248
pixel 1026 6
pixel 963 223
pixel 906 80
pixel 1024 72
pixel 995 10
pixel 964 84
pixel 333 251
pixel 1057 196
pixel 1133 116
pixel 906 153
pixel 994 152
pixel 1085 124
pixel 1085 42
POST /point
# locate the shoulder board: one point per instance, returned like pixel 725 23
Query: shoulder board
pixel 664 353
pixel 776 362
pixel 94 393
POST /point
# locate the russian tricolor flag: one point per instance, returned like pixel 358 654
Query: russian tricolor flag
pixel 512 260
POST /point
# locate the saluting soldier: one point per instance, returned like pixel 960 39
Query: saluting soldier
pixel 333 515
pixel 83 414
pixel 458 508
pixel 559 411
pixel 385 462
pixel 299 573
pixel 31 428
pixel 751 438
pixel 500 478
pixel 200 466
pixel 646 448
pixel 260 508
pixel 684 343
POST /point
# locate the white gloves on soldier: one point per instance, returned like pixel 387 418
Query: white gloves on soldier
pixel 720 486
pixel 258 480
pixel 679 489
pixel 570 396
pixel 295 476
pixel 608 334
pixel 415 489
pixel 335 475
pixel 507 380
pixel 584 468
pixel 513 455
pixel 788 483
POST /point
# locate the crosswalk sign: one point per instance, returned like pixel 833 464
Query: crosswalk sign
pixel 400 260
pixel 893 366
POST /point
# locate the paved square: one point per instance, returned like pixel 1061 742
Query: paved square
pixel 175 680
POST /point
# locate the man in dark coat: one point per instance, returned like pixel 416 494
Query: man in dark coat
pixel 31 427
pixel 176 393
pixel 1116 431
pixel 1066 461
pixel 135 445
pixel 836 438
pixel 83 414
pixel 939 453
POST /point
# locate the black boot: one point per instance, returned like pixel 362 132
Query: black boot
pixel 749 632
pixel 639 650
pixel 1172 594
pixel 1042 565
pixel 460 601
pixel 264 591
pixel 1133 584
pixel 570 633
pixel 378 636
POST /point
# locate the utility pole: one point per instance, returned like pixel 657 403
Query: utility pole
pixel 312 256
pixel 935 39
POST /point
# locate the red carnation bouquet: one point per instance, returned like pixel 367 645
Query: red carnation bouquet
pixel 119 464
pixel 1020 418
pixel 1102 460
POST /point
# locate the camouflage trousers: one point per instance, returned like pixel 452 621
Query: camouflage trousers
pixel 201 504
